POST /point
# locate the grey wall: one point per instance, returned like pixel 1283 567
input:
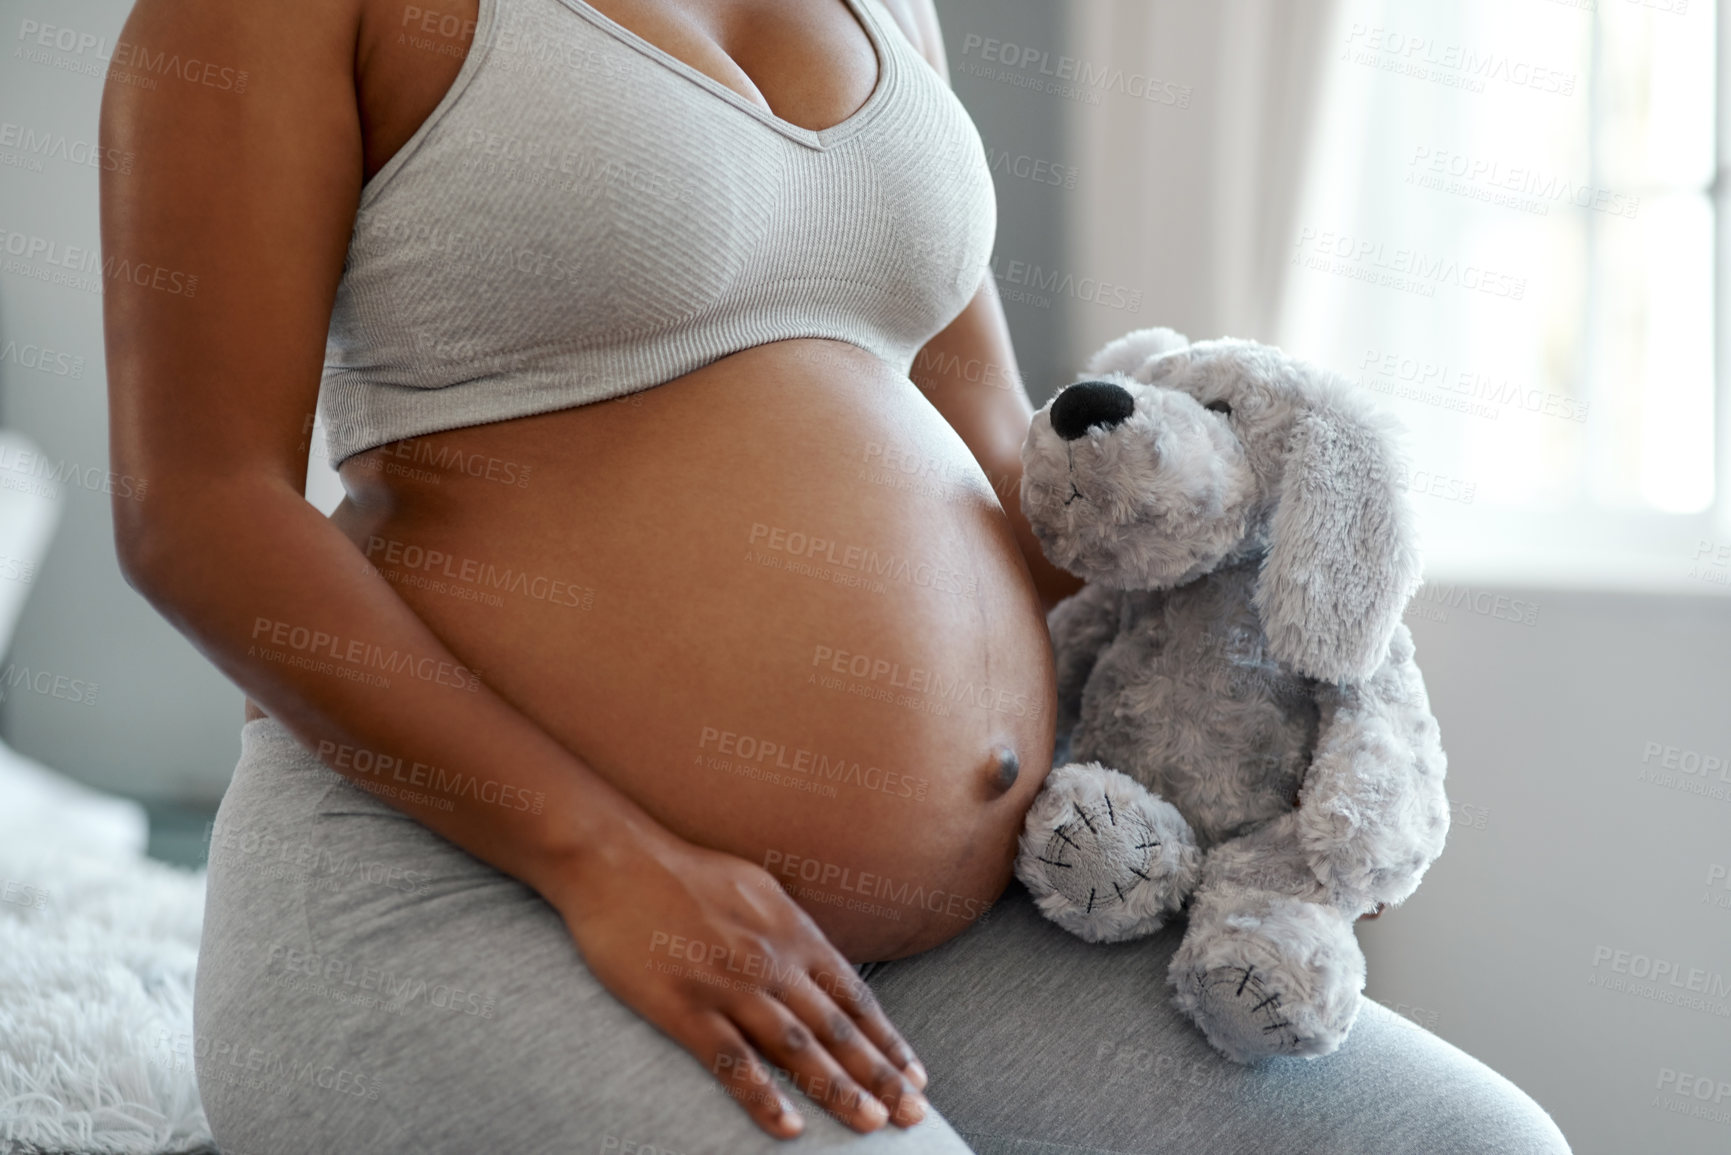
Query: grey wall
pixel 1562 854
pixel 165 723
pixel 1037 181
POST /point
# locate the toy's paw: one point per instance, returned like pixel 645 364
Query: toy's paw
pixel 1269 975
pixel 1104 858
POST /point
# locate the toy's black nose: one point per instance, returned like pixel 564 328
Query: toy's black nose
pixel 1089 403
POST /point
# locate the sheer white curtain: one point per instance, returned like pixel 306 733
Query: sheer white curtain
pixel 1507 234
pixel 1192 203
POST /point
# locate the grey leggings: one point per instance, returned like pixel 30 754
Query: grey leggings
pixel 365 985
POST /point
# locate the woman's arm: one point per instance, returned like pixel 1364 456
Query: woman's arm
pixel 211 385
pixel 968 371
pixel 210 390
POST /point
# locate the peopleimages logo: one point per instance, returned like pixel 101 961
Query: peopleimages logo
pixel 42 359
pixel 50 685
pixel 1718 874
pixel 1517 186
pixel 901 892
pixel 47 144
pixel 919 680
pixel 1698 1096
pixel 355 654
pixel 751 749
pixel 47 259
pixel 1688 771
pixel 1454 65
pixel 1660 980
pixel 1692 762
pixel 1036 285
pixel 1068 76
pixel 30 471
pixel 1408 269
pixel 1484 603
pixel 1641 966
pixel 477 573
pixel 455 784
pixel 243 1065
pixel 1469 385
pixel 395 989
pixel 34 38
pixel 860 560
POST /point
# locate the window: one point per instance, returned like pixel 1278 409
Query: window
pixel 1509 233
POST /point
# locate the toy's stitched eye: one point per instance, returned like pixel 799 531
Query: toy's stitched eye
pixel 1219 407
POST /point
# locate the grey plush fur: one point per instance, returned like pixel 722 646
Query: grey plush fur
pixel 1251 737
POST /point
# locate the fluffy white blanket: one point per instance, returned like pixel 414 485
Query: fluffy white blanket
pixel 97 950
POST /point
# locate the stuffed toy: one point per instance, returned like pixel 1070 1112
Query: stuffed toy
pixel 1249 735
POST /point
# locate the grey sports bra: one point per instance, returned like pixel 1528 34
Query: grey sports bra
pixel 584 215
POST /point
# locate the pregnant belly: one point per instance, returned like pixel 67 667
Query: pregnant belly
pixel 774 601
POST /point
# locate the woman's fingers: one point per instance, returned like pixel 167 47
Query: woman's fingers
pixel 853 995
pixel 717 1042
pixel 780 1035
pixel 844 1035
pixel 807 1011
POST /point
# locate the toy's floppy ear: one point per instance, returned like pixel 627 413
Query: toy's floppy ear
pixel 1341 562
pixel 1133 350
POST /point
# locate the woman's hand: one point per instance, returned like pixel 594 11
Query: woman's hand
pixel 710 949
